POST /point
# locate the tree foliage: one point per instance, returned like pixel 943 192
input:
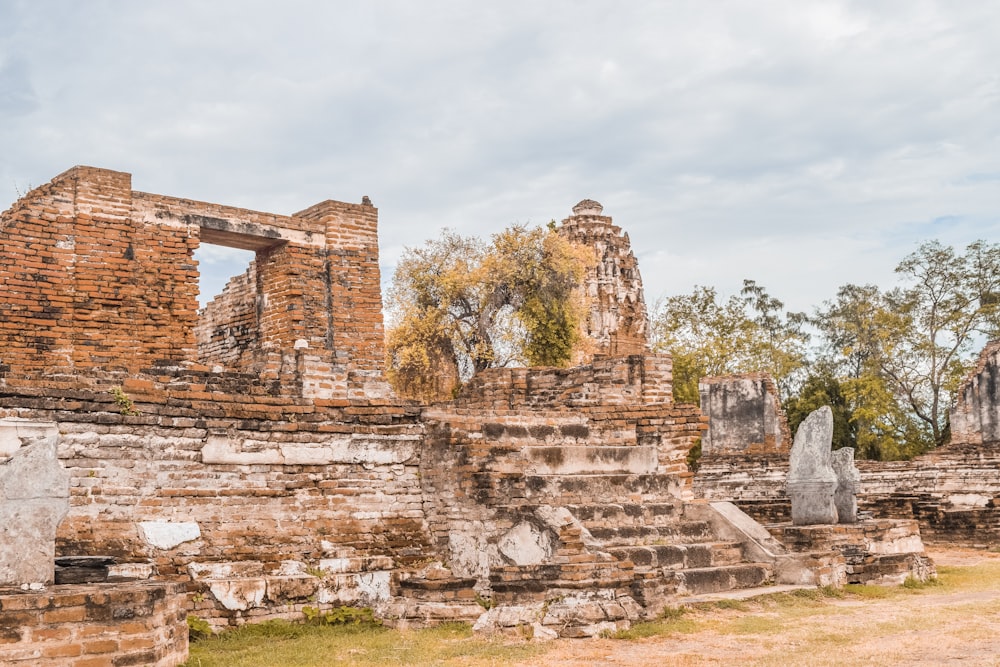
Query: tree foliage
pixel 888 360
pixel 746 333
pixel 458 305
pixel 902 352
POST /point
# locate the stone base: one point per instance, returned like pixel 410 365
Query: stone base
pixel 877 551
pixel 134 623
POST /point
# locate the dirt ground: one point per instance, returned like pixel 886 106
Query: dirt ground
pixel 929 628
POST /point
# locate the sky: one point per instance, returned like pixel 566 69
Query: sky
pixel 802 144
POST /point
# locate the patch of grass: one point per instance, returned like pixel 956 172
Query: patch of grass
pixel 672 620
pixel 869 592
pixel 983 576
pixel 299 645
pixel 913 584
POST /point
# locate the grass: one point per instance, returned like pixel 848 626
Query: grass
pixel 296 645
pixel 856 625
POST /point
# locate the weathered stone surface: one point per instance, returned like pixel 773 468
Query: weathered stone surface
pixel 525 544
pixel 744 416
pixel 168 534
pixel 848 478
pixel 34 498
pixel 975 418
pixel 613 287
pixel 811 479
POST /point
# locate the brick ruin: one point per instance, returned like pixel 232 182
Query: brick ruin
pixel 952 491
pixel 255 458
pixel 617 321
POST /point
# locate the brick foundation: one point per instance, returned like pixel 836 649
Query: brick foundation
pixel 95 625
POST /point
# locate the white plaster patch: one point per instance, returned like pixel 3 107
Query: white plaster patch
pixel 364 449
pixel 12 430
pixel 131 570
pixel 290 568
pixel 526 545
pixel 226 570
pixel 239 594
pixel 168 534
pixel 969 500
pixel 366 588
pixel 336 565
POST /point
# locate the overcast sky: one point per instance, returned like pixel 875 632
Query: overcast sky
pixel 801 144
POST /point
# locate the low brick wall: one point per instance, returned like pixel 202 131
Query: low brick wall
pixel 95 625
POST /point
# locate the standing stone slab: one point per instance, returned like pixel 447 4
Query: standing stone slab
pixel 34 498
pixel 812 482
pixel 848 478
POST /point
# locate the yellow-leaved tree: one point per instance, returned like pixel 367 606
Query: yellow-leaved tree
pixel 458 305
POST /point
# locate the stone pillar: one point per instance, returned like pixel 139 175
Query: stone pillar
pixel 848 478
pixel 812 482
pixel 34 498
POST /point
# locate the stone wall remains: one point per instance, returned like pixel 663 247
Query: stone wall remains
pixel 953 491
pixel 975 419
pixel 98 283
pixel 95 625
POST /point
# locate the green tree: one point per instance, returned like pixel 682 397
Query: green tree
pixel 900 354
pixel 458 306
pixel 746 333
pixel 822 387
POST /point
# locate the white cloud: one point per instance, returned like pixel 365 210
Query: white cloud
pixel 802 144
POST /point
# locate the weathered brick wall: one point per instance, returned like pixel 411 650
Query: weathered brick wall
pixel 635 379
pixel 98 283
pixel 228 331
pixel 263 487
pixel 95 625
pixel 86 290
pixel 975 419
pixel 617 322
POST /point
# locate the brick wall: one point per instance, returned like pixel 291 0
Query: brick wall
pixel 228 330
pixel 98 283
pixel 95 625
pixel 86 291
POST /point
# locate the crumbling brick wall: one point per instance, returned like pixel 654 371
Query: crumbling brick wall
pixel 87 290
pixel 228 330
pixel 98 283
pixel 975 418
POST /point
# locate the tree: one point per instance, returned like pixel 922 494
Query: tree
pixel 744 334
pixel 900 354
pixel 458 306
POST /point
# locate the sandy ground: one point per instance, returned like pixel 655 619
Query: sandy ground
pixel 923 629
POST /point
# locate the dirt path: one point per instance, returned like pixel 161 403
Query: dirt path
pixel 924 628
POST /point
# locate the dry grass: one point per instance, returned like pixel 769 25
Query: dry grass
pixel 956 620
pixel 288 645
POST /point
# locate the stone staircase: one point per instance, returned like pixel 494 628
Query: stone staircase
pixel 671 555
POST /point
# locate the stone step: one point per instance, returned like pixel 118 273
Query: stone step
pixel 743 593
pixel 680 556
pixel 681 532
pixel 404 613
pixel 579 489
pixel 699 581
pixel 628 514
pixel 449 590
